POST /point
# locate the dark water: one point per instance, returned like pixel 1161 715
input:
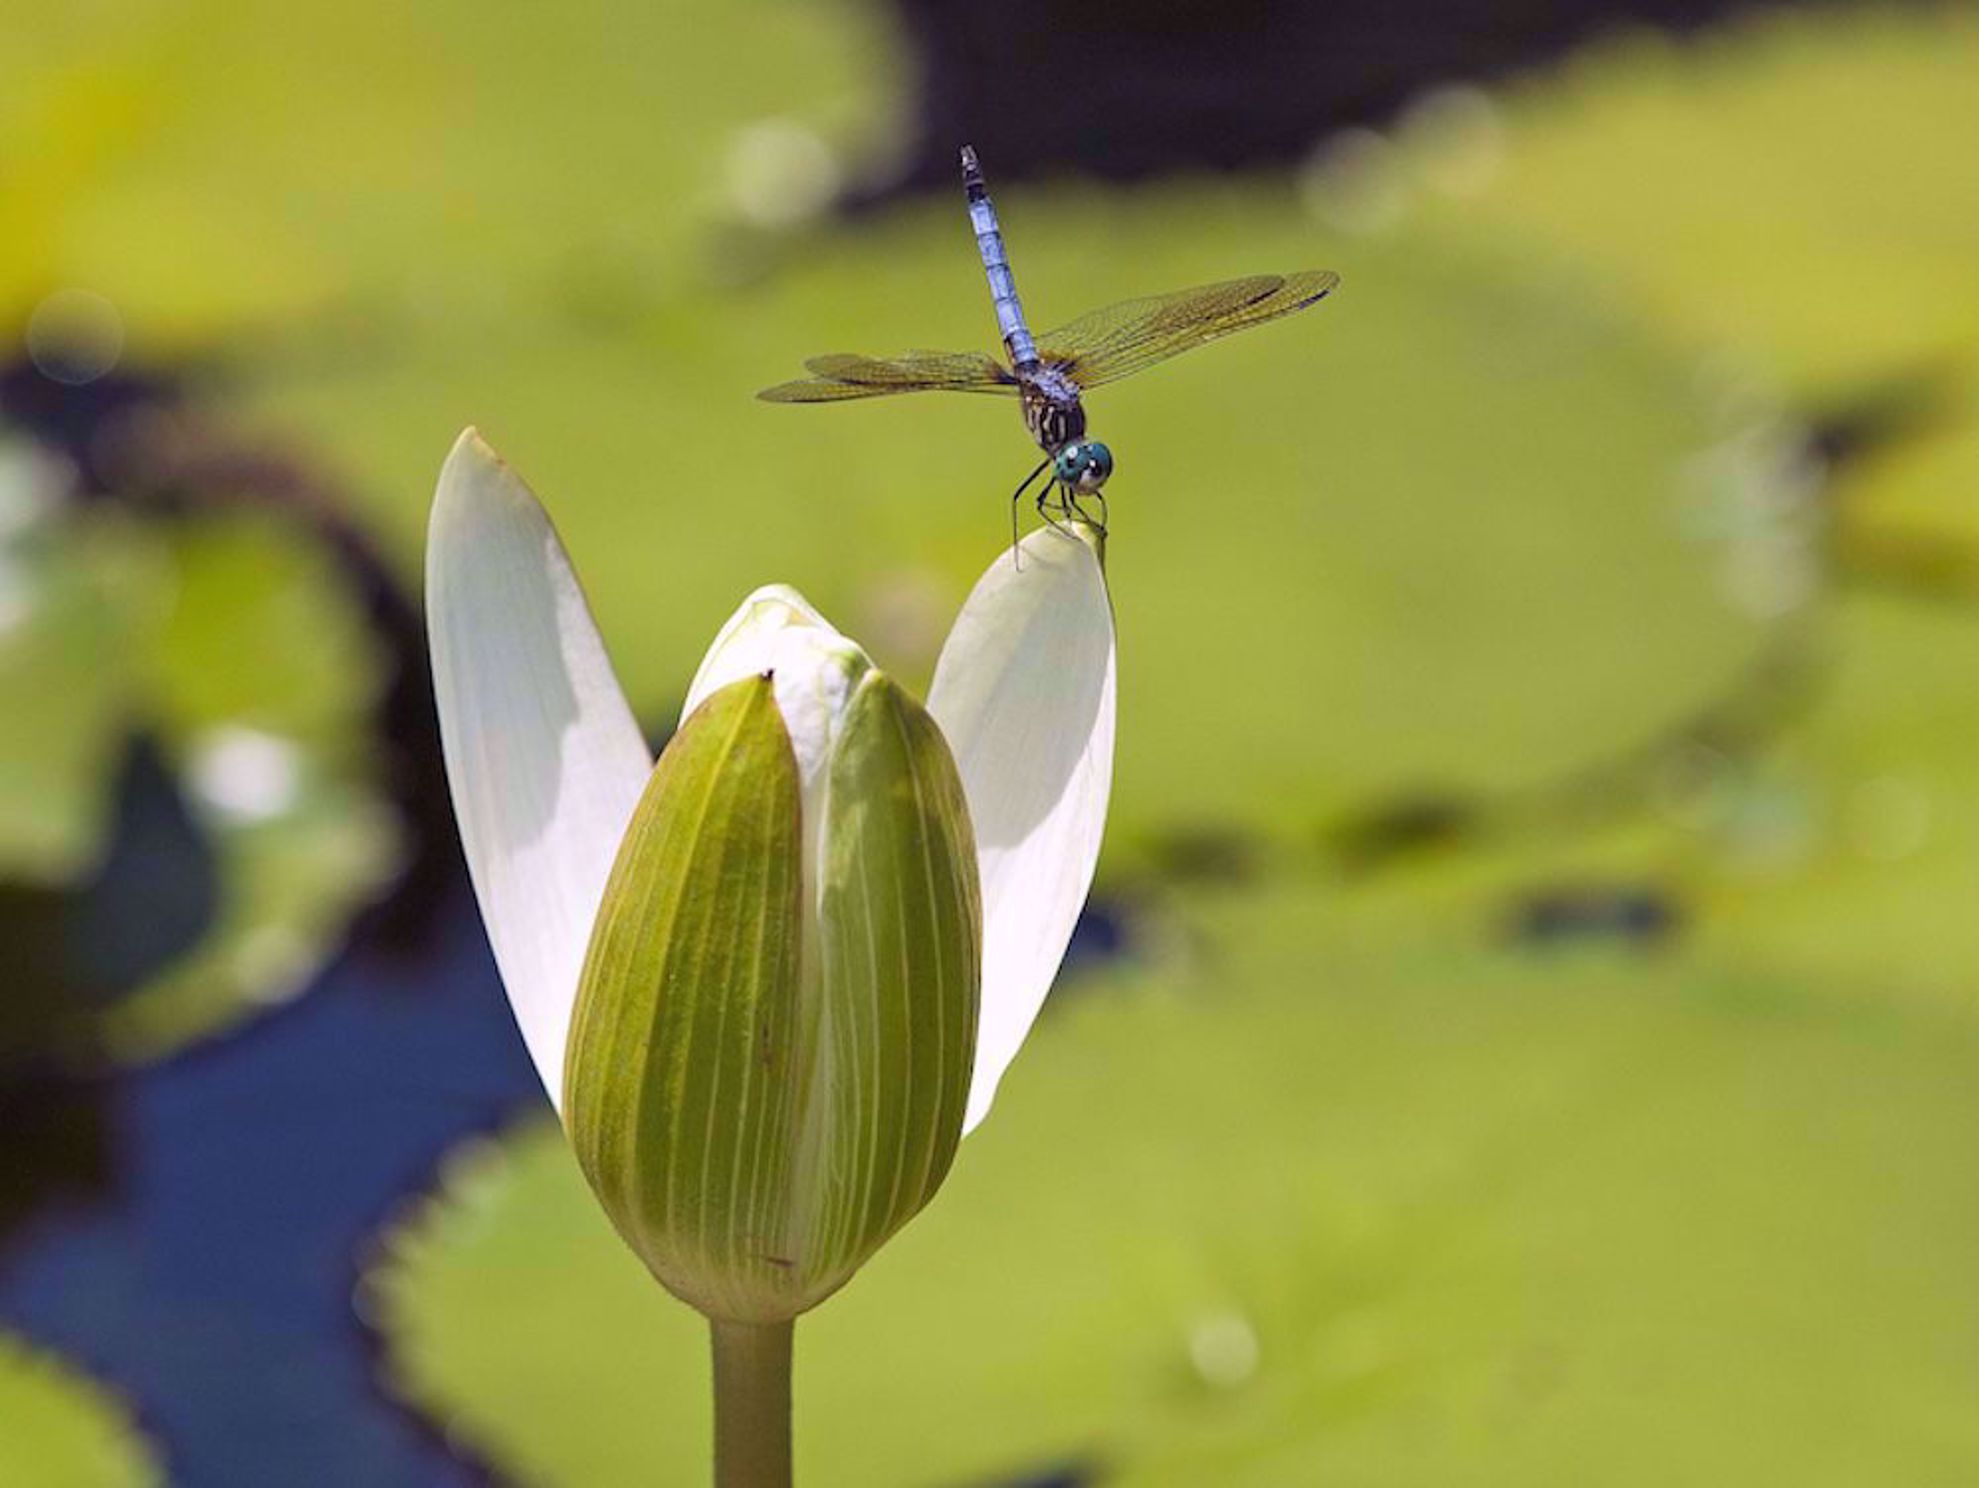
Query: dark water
pixel 212 1281
pixel 1135 89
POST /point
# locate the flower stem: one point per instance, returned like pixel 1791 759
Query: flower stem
pixel 752 1404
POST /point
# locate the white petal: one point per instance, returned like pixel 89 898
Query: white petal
pixel 746 643
pixel 544 759
pixel 1024 691
pixel 816 671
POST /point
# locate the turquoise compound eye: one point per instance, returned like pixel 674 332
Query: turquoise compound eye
pixel 1083 465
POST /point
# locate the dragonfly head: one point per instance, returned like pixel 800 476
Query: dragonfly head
pixel 1083 465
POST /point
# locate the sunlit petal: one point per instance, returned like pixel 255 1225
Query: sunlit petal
pixel 1024 692
pixel 544 758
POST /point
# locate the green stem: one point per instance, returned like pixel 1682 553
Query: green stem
pixel 752 1404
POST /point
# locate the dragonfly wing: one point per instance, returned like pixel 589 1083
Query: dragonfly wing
pixel 824 390
pixel 834 378
pixel 1122 339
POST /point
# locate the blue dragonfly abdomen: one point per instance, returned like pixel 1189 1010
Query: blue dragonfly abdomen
pixel 996 264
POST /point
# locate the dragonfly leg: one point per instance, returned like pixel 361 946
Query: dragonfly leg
pixel 1070 505
pixel 1016 496
pixel 1045 504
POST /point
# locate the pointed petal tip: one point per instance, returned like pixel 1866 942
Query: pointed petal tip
pixel 470 476
pixel 469 445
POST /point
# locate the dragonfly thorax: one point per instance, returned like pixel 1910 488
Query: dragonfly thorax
pixel 1055 419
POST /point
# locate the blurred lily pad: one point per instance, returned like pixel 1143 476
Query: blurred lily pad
pixel 1849 859
pixel 1793 188
pixel 1391 1208
pixel 65 1432
pixel 74 594
pixel 262 677
pixel 224 168
pixel 237 645
pixel 1839 855
pixel 1794 192
pixel 1911 518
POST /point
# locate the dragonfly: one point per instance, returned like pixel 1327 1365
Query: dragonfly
pixel 1047 374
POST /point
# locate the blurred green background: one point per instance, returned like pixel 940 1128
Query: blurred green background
pixel 1525 1031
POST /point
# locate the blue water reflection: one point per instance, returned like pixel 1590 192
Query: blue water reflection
pixel 213 1283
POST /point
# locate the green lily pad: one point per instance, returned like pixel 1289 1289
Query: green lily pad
pixel 1839 856
pixel 1850 861
pixel 1793 192
pixel 225 168
pixel 263 678
pixel 1794 188
pixel 74 593
pixel 241 647
pixel 1910 519
pixel 65 1432
pixel 1319 1201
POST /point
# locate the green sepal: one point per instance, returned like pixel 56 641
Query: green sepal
pixel 768 1069
pixel 681 1082
pixel 900 971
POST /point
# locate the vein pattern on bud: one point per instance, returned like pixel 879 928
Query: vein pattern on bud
pixel 774 1031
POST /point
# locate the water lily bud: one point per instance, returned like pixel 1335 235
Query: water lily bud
pixel 770 1055
pixel 803 962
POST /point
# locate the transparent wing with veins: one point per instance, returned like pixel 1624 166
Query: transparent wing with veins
pixel 842 376
pixel 1122 339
